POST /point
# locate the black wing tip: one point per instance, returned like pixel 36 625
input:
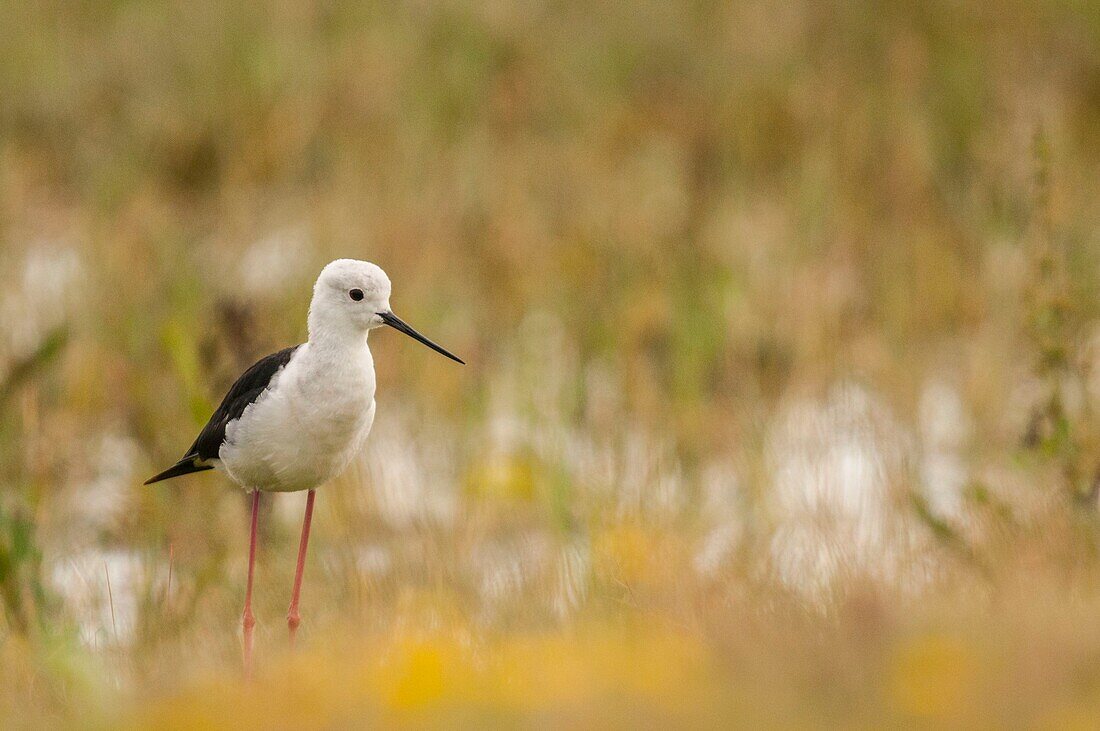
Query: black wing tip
pixel 185 466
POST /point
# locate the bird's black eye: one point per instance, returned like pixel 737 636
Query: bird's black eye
pixel 356 294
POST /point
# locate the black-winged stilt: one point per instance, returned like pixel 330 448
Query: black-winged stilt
pixel 295 419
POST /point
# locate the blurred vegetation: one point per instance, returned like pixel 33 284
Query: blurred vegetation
pixel 783 324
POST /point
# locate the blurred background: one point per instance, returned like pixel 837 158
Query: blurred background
pixel 783 332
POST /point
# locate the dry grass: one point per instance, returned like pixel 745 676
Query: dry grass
pixel 783 327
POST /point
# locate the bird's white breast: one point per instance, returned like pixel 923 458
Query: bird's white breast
pixel 309 423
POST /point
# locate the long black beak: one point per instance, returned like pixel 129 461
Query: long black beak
pixel 398 324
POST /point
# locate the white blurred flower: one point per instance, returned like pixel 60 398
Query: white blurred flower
pixel 48 286
pixel 101 588
pixel 944 428
pixel 834 463
pixel 411 471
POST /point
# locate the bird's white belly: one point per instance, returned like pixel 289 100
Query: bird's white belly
pixel 298 436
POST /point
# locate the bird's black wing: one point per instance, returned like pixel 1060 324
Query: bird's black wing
pixel 245 391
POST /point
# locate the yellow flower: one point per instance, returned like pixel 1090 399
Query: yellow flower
pixel 419 678
pixel 502 476
pixel 932 676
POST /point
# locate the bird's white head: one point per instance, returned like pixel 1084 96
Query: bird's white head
pixel 352 297
pixel 349 296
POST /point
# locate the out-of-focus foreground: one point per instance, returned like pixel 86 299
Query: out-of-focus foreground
pixel 783 330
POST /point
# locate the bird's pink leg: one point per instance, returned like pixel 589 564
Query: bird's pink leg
pixel 249 620
pixel 293 619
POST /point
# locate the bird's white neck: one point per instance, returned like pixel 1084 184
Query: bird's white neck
pixel 334 333
pixel 335 353
pixel 338 343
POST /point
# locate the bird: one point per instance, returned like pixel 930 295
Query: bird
pixel 296 418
